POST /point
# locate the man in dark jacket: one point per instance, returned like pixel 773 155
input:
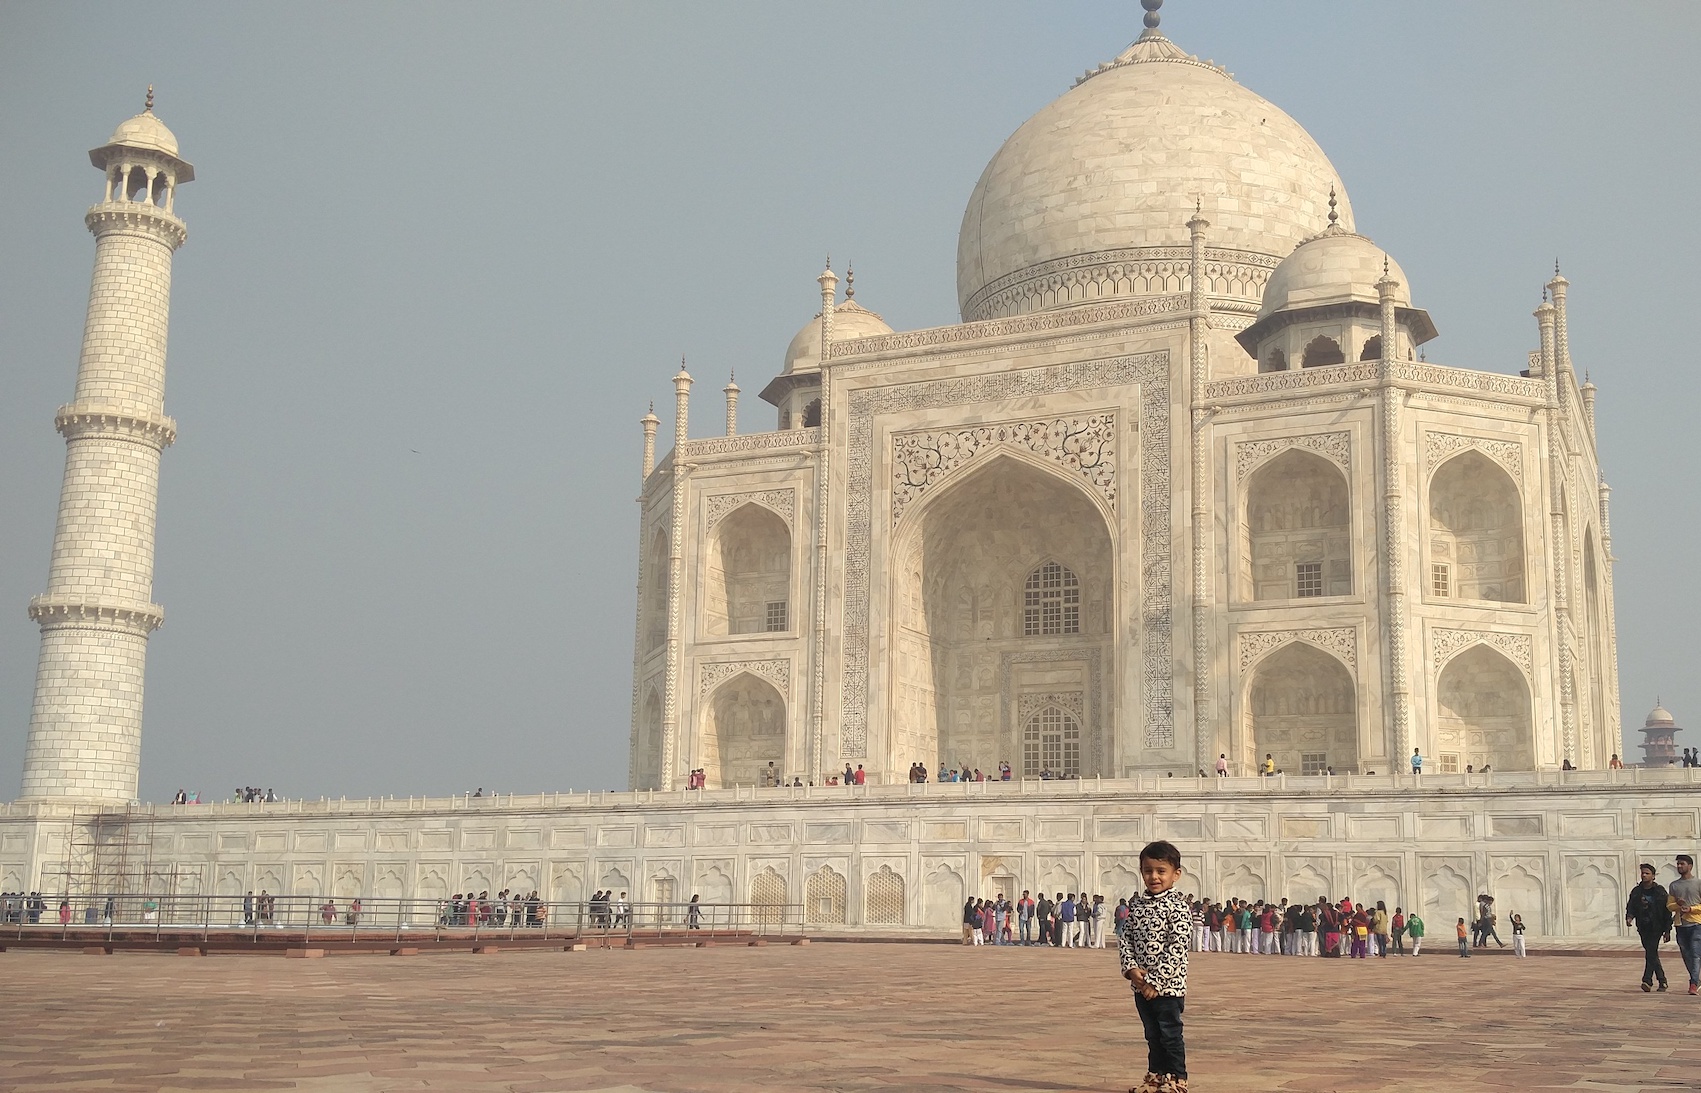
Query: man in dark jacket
pixel 1646 910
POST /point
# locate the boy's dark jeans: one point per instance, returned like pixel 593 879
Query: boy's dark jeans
pixel 1161 1016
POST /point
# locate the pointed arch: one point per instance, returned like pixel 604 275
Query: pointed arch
pixel 963 554
pixel 1322 350
pixel 1476 531
pixel 655 590
pixel 744 731
pixel 1483 711
pixel 1301 710
pixel 747 589
pixel 1297 537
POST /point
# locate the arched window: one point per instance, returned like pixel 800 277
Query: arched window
pixel 1484 712
pixel 1051 602
pixel 812 414
pixel 1051 740
pixel 1274 361
pixel 749 574
pixel 1372 349
pixel 1322 350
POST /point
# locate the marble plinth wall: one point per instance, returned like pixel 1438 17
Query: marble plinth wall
pixel 1558 849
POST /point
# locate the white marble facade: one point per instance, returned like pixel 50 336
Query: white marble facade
pixel 1163 495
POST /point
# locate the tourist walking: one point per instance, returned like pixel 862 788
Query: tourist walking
pixel 1153 949
pixel 1414 927
pixel 1397 926
pixel 1684 901
pixel 1647 909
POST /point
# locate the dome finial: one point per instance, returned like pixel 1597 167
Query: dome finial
pixel 1334 216
pixel 1152 19
pixel 149 108
pixel 850 281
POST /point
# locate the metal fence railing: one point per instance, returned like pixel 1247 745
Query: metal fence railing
pixel 325 918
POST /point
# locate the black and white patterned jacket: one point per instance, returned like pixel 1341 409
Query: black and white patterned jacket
pixel 1154 938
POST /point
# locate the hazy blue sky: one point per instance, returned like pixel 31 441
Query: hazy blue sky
pixel 488 232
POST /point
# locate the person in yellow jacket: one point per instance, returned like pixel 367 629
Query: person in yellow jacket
pixel 1684 900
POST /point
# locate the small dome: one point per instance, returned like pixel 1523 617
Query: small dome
pixel 145 131
pixel 850 320
pixel 1115 165
pixel 1660 716
pixel 1334 267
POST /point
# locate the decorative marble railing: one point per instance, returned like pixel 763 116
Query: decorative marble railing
pixel 782 440
pixel 1320 786
pixel 1414 374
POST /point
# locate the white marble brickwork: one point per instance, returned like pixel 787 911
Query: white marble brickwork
pixel 87 728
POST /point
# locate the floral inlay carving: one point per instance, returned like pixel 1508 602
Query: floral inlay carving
pixel 1341 641
pixel 1073 701
pixel 1444 645
pixel 1335 447
pixel 1086 445
pixel 783 502
pixel 713 674
pixel 1439 447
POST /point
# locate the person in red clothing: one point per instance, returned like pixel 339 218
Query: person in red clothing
pixel 1267 930
pixel 1398 925
pixel 861 776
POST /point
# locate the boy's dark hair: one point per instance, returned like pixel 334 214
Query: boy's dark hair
pixel 1649 868
pixel 1687 858
pixel 1162 850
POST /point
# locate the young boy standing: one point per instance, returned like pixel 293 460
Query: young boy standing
pixel 1153 943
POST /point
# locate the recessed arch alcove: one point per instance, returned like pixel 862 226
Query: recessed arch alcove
pixel 748 585
pixel 744 731
pixel 1004 568
pixel 1484 715
pixel 1302 711
pixel 1297 541
pixel 1476 531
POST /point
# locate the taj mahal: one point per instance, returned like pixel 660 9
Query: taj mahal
pixel 1181 492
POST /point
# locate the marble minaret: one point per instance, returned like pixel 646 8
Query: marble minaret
pixel 86 726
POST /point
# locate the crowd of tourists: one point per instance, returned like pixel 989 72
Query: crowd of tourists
pixel 1070 921
pixel 507 908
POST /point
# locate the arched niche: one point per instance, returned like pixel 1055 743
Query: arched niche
pixel 655 591
pixel 963 562
pixel 648 773
pixel 1372 348
pixel 1051 742
pixel 1594 660
pixel 748 586
pixel 1322 350
pixel 1476 531
pixel 1274 361
pixel 1484 712
pixel 746 731
pixel 1302 711
pixel 1298 531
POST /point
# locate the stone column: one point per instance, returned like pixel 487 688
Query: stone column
pixel 1393 516
pixel 1198 327
pixel 1559 545
pixel 818 648
pixel 85 731
pixel 675 580
pixel 731 393
pixel 649 422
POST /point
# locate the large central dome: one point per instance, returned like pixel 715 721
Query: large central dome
pixel 1091 196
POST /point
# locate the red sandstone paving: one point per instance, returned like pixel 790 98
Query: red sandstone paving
pixel 850 1018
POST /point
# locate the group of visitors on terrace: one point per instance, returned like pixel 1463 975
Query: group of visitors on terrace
pixel 1070 921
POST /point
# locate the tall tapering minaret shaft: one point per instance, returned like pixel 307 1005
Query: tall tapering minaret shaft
pixel 86 726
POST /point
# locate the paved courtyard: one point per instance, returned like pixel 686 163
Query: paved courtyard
pixel 828 1017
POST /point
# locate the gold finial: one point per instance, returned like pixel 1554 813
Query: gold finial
pixel 1384 265
pixel 1334 217
pixel 850 282
pixel 149 108
pixel 652 406
pixel 829 261
pixel 1556 267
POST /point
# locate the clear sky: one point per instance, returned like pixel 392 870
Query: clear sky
pixel 441 256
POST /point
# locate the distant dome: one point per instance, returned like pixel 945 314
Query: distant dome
pixel 1333 267
pixel 1116 164
pixel 1660 716
pixel 145 131
pixel 850 320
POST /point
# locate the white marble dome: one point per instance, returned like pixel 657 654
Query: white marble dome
pixel 1116 164
pixel 850 320
pixel 145 131
pixel 1330 268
